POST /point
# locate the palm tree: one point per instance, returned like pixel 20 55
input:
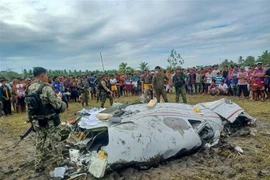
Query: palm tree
pixel 240 60
pixel 143 66
pixel 123 68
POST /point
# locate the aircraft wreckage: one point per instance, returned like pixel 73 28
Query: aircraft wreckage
pixel 145 134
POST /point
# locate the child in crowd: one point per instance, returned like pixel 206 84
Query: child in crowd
pixel 213 89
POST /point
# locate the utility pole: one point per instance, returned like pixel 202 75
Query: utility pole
pixel 102 64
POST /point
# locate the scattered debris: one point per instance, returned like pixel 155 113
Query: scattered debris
pixel 79 175
pixel 74 155
pixel 239 149
pixel 253 131
pixel 58 172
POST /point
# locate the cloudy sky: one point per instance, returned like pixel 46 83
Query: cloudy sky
pixel 71 34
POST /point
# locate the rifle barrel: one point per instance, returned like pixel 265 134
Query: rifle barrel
pixel 26 133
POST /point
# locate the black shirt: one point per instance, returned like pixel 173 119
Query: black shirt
pixel 225 74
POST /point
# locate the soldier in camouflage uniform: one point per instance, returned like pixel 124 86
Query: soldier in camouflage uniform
pixel 46 126
pixel 84 90
pixel 105 92
pixel 96 84
pixel 179 84
pixel 158 84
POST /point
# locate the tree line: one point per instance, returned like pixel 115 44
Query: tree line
pixel 174 59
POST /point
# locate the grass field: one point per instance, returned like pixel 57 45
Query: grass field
pixel 254 162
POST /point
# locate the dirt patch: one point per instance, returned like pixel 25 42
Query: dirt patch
pixel 221 162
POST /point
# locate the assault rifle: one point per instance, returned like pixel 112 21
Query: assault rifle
pixel 25 134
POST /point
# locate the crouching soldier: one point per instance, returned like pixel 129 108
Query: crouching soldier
pixel 43 108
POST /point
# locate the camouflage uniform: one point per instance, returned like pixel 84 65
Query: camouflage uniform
pixel 179 84
pixel 104 93
pixel 52 147
pixel 96 84
pixel 158 84
pixel 84 86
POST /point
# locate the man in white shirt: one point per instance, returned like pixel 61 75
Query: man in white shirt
pixel 113 83
pixel 215 71
pixel 209 78
pixel 223 88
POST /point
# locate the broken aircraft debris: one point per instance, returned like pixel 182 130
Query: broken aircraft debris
pixel 143 136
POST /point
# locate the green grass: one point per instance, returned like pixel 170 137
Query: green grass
pixel 257 149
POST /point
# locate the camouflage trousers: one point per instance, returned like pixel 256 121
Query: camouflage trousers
pixel 103 96
pixel 180 91
pixel 48 145
pixel 161 92
pixel 85 97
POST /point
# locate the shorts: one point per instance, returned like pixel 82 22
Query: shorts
pixel 205 86
pixel 243 88
pixel 113 88
pixel 20 100
pixel 256 87
pixel 147 86
pixel 129 87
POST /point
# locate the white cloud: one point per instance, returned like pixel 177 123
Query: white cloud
pixel 71 34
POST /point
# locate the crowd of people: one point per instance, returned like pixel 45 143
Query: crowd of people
pixel 251 82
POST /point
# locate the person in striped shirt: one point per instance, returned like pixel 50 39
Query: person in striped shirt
pixel 218 79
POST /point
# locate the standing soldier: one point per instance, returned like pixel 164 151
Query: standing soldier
pixel 105 92
pixel 179 84
pixel 43 107
pixel 96 84
pixel 158 84
pixel 84 90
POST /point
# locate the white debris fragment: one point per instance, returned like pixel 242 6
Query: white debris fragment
pixel 98 167
pixel 91 120
pixel 239 149
pixel 74 154
pixel 91 111
pixel 253 132
pixel 63 123
pixel 59 172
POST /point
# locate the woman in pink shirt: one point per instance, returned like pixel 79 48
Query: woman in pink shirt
pixel 242 82
pixel 258 82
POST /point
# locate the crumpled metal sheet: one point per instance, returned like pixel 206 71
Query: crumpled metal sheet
pixel 226 109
